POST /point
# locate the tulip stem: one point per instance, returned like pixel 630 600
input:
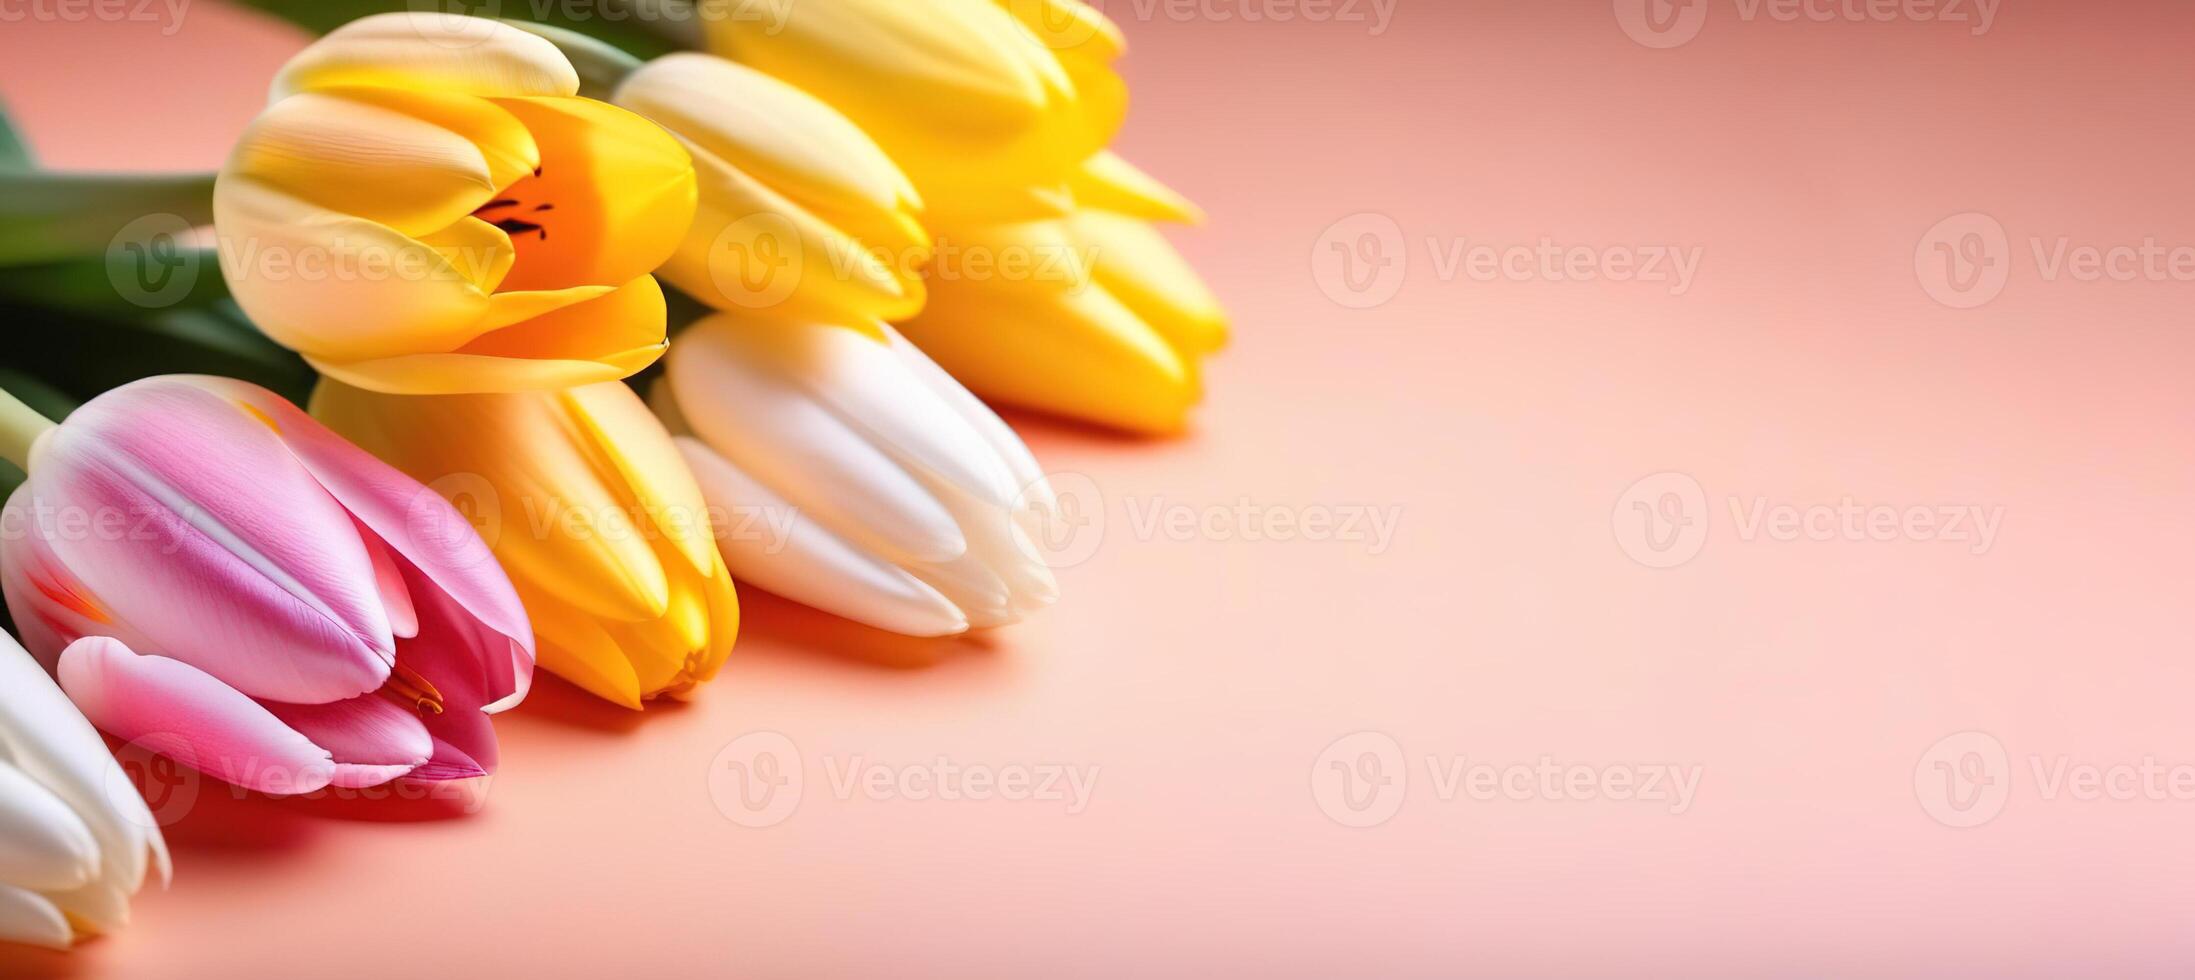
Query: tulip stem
pixel 601 66
pixel 20 427
pixel 676 21
pixel 47 216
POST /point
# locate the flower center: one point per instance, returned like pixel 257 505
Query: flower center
pixel 514 215
pixel 405 684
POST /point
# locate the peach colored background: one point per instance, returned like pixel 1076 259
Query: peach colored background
pixel 1506 419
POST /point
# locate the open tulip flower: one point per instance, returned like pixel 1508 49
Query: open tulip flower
pixel 206 567
pixel 801 214
pixel 987 104
pixel 427 207
pixel 590 509
pixel 853 475
pixel 75 840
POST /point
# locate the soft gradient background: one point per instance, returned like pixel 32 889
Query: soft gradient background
pixel 1810 681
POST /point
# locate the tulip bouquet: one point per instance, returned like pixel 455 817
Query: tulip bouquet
pixel 566 337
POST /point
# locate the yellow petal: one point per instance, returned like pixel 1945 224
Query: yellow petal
pixel 1059 344
pixel 602 339
pixel 1070 25
pixel 958 92
pixel 1106 182
pixel 336 287
pixel 430 51
pixel 1134 262
pixel 576 647
pixel 750 249
pixel 408 160
pixel 610 201
pixel 655 476
pixel 788 140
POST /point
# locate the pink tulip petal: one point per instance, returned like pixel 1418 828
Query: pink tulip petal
pixel 51 608
pixel 353 776
pixel 469 664
pixel 403 620
pixel 449 763
pixel 184 507
pixel 179 709
pixel 416 522
pixel 367 730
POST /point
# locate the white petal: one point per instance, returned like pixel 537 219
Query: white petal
pixel 1033 490
pixel 42 734
pixel 768 544
pixel 43 844
pixel 27 918
pixel 746 401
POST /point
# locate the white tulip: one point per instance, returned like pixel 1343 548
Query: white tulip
pixel 75 839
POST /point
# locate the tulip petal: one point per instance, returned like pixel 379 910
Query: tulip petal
pixel 408 160
pixel 49 739
pixel 788 140
pixel 610 201
pixel 278 602
pixel 219 730
pixel 430 51
pixel 620 427
pixel 368 730
pixel 576 647
pixel 1033 490
pixel 43 843
pixel 1132 261
pixel 471 665
pixel 803 561
pixel 758 414
pixel 373 291
pixel 1063 345
pixel 1106 182
pixel 26 917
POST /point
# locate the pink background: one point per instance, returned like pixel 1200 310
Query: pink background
pixel 1808 680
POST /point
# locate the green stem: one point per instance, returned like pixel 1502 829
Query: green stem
pixel 20 427
pixel 49 216
pixel 601 65
pixel 675 21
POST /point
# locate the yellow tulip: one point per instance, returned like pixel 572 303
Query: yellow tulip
pixel 590 509
pixel 427 207
pixel 801 215
pixel 963 94
pixel 1104 322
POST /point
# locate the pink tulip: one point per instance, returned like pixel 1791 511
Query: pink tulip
pixel 207 569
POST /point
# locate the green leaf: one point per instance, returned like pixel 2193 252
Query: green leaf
pixel 14 153
pixel 85 355
pixel 45 217
pixel 133 280
pixel 629 33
